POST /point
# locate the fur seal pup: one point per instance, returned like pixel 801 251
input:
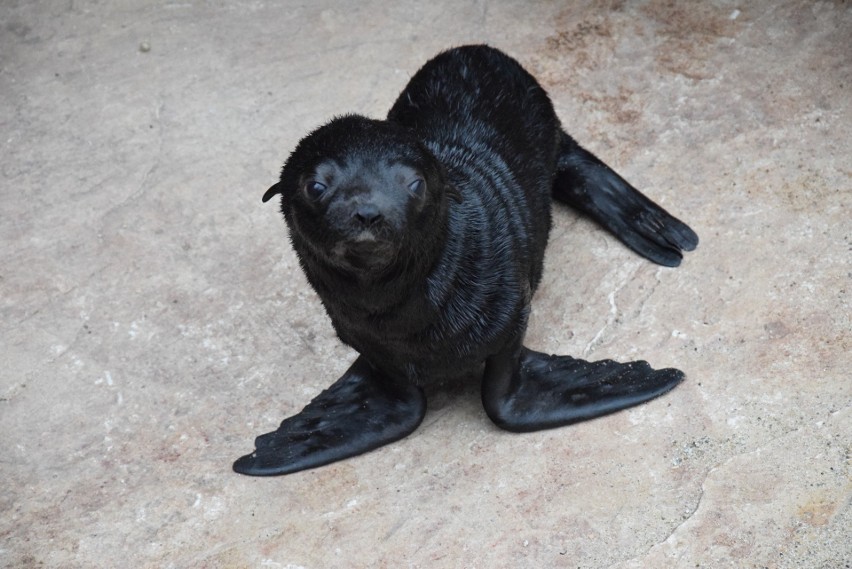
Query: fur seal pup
pixel 424 236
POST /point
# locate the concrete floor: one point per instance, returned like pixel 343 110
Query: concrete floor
pixel 154 319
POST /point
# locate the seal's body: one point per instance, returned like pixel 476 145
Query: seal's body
pixel 424 236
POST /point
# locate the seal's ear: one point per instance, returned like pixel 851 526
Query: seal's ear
pixel 453 192
pixel 276 189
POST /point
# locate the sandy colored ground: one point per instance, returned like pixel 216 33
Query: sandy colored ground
pixel 154 319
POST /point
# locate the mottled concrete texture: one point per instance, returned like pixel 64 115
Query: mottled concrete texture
pixel 154 319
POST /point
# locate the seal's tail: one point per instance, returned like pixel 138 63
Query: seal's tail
pixel 589 185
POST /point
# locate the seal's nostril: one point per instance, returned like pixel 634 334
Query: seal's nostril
pixel 368 214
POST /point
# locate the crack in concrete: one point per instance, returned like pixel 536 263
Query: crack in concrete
pixel 651 290
pixel 613 311
pixel 699 500
pixel 674 530
pixel 142 186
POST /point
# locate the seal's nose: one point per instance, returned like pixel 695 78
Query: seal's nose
pixel 368 214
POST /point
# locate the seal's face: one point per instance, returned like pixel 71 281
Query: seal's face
pixel 361 195
pixel 357 209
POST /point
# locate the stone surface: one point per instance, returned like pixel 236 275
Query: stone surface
pixel 154 319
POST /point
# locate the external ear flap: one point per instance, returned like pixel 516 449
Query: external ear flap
pixel 271 192
pixel 453 192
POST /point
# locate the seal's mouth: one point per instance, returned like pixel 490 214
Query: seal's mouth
pixel 365 236
pixel 364 252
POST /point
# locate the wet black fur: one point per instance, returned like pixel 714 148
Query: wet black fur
pixel 469 261
pixel 424 237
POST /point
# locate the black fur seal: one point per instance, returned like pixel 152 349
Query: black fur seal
pixel 424 236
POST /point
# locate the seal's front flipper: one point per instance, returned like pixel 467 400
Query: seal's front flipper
pixel 584 182
pixel 529 391
pixel 360 412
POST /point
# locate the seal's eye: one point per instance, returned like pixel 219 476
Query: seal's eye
pixel 417 187
pixel 315 189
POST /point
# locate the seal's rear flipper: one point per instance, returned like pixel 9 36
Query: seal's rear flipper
pixel 584 182
pixel 360 412
pixel 533 391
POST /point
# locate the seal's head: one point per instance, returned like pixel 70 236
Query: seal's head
pixel 361 195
